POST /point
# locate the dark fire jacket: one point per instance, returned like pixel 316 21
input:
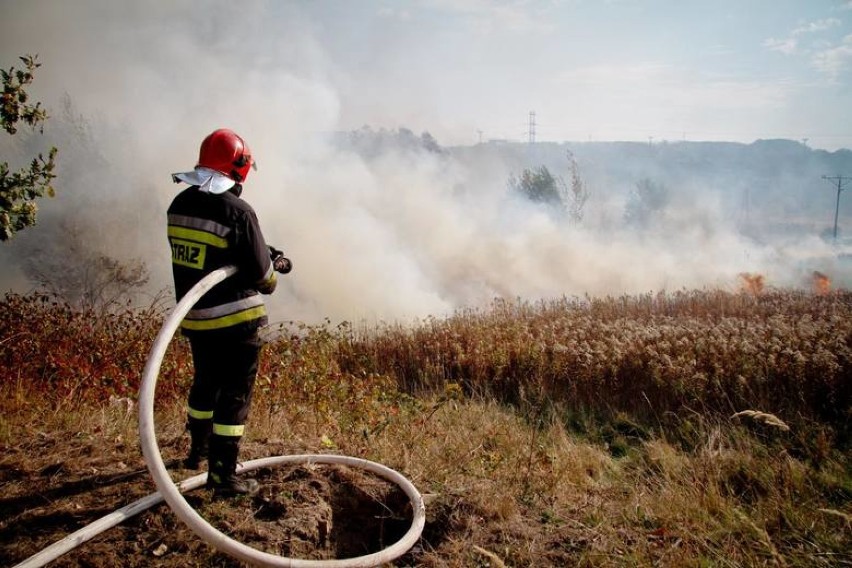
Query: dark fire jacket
pixel 208 231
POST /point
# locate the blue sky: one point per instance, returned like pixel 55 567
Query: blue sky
pixel 601 70
pixel 590 69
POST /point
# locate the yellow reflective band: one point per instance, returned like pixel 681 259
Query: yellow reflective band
pixel 267 285
pixel 197 236
pixel 228 430
pixel 200 414
pixel 224 321
pixel 225 309
pixel 187 253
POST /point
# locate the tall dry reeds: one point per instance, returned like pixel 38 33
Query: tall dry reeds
pixel 631 431
pixel 788 353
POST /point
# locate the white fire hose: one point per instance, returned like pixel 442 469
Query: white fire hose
pixel 171 492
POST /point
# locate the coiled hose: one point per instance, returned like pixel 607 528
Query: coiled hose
pixel 171 492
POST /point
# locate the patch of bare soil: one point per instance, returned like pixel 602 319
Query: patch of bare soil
pixel 52 486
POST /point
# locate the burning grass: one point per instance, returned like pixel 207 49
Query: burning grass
pixel 693 428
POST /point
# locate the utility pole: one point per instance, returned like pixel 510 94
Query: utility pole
pixel 841 182
pixel 532 127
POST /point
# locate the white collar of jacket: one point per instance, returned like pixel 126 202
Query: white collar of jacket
pixel 207 180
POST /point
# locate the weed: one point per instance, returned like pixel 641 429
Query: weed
pixel 578 431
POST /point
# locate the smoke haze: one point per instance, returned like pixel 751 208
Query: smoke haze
pixel 396 231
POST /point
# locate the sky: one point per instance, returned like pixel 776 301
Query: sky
pixel 134 86
pixel 601 70
pixel 466 70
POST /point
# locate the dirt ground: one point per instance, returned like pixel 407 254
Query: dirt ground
pixel 51 486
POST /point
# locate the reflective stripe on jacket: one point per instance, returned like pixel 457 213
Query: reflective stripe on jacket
pixel 206 232
pixel 225 315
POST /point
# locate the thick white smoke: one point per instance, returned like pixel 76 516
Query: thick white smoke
pixel 405 233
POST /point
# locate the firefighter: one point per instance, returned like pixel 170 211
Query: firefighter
pixel 209 227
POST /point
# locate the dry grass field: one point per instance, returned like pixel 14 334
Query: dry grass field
pixel 695 428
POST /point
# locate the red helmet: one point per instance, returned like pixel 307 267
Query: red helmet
pixel 224 151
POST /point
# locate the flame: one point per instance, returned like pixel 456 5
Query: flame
pixel 751 283
pixel 821 283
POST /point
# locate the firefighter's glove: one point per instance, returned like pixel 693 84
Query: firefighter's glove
pixel 280 263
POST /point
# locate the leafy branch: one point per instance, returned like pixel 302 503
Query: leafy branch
pixel 15 107
pixel 19 190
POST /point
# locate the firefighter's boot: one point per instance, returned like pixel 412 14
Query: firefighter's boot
pixel 222 478
pixel 199 445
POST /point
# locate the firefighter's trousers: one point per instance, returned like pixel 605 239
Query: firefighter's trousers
pixel 225 372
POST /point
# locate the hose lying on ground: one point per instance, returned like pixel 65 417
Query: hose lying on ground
pixel 171 492
pixel 103 524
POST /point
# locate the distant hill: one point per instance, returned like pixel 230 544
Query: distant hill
pixel 765 188
pixel 762 184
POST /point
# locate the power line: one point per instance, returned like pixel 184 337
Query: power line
pixel 532 127
pixel 841 182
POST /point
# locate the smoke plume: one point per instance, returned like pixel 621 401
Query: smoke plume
pixel 395 231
